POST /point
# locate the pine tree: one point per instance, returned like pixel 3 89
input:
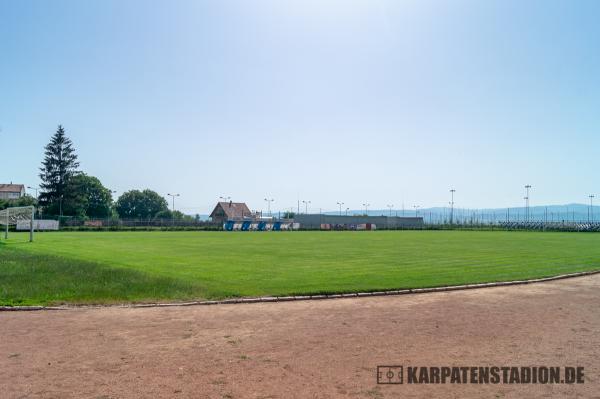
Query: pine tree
pixel 60 163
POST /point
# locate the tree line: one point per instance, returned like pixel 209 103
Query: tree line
pixel 68 191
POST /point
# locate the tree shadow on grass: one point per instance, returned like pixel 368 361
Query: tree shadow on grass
pixel 33 279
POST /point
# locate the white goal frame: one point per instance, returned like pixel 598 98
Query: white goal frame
pixel 10 216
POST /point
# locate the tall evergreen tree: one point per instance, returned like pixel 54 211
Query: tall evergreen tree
pixel 60 163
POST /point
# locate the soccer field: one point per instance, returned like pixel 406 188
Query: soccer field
pixel 112 267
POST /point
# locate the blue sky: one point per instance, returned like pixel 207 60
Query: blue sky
pixel 378 101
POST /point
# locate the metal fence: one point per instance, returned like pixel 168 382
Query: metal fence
pixel 553 226
pixel 137 223
pixel 309 224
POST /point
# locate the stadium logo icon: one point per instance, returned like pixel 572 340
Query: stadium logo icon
pixel 390 375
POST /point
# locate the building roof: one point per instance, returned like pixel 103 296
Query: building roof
pixel 12 188
pixel 232 210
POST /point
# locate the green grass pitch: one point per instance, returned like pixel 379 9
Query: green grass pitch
pixel 112 267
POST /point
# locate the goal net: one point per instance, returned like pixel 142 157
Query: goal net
pixel 17 215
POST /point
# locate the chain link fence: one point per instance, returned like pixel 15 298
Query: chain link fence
pixel 73 223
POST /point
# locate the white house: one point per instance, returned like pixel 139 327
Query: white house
pixel 11 191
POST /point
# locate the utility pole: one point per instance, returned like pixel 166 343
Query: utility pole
pixel 452 191
pixel 340 204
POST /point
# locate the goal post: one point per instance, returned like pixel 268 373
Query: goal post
pixel 12 216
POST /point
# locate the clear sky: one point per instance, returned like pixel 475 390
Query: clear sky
pixel 353 101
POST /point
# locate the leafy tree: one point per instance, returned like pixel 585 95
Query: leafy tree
pixel 177 215
pixel 26 200
pixel 183 216
pixel 140 204
pixel 86 196
pixel 166 214
pixel 60 163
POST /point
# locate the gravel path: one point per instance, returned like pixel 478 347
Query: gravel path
pixel 306 349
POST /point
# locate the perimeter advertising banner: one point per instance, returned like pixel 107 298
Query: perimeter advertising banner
pixel 41 224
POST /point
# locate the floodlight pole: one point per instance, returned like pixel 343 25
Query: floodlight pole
pixel 340 204
pixel 173 211
pixel 416 209
pixel 6 232
pixel 366 209
pixel 269 204
pixel 347 209
pixel 592 207
pixel 452 191
pixel 305 206
pixel 390 206
pixel 526 213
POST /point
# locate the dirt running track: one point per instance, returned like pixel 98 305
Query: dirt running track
pixel 313 349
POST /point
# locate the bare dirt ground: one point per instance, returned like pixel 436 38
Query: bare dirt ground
pixel 313 349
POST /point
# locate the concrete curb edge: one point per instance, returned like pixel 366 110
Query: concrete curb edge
pixel 307 297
